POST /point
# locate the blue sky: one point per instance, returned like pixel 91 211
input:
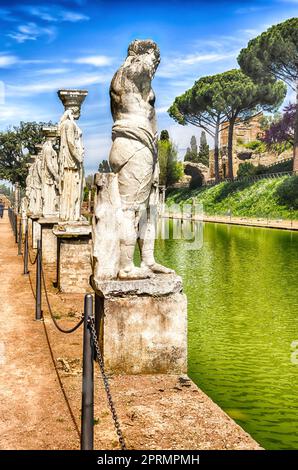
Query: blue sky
pixel 50 45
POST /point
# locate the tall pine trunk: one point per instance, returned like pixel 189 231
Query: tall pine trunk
pixel 295 149
pixel 216 152
pixel 230 148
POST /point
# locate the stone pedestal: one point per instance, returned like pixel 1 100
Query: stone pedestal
pixel 36 230
pixel 48 239
pixel 142 325
pixel 73 257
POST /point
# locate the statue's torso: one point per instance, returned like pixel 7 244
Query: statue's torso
pixel 132 99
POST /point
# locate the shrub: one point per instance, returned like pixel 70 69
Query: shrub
pixel 256 145
pixel 287 192
pixel 246 169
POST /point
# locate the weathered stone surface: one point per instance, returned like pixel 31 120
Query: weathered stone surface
pixel 72 230
pixel 106 227
pixel 48 240
pixel 157 285
pixel 198 172
pixel 74 263
pixel 71 155
pixel 133 157
pixel 145 334
pixel 50 173
pixel 74 256
pixel 34 184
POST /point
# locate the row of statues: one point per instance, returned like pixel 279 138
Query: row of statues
pixel 55 181
pixel 126 198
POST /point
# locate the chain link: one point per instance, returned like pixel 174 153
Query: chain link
pixel 30 259
pixel 99 360
pixel 62 330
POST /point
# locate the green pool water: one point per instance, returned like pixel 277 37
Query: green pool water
pixel 242 290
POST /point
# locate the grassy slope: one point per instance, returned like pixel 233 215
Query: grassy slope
pixel 257 199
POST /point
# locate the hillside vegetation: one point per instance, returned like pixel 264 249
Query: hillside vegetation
pixel 275 198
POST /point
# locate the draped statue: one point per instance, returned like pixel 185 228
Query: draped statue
pixel 133 157
pixel 34 186
pixel 50 176
pixel 71 171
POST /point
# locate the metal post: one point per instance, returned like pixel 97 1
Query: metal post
pixel 20 238
pixel 26 247
pixel 38 312
pixel 87 419
pixel 16 227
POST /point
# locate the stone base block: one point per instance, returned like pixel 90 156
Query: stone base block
pixel 74 259
pixel 48 240
pixel 143 333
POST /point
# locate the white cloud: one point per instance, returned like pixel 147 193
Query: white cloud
pixel 54 13
pixel 31 32
pixel 7 60
pixel 72 16
pixel 162 109
pixel 53 71
pixel 71 81
pixel 96 60
pixel 182 66
pixel 246 10
pixel 12 113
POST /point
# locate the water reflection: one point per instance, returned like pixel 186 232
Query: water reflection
pixel 243 317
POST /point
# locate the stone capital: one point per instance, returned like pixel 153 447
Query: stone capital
pixel 73 99
pixel 50 131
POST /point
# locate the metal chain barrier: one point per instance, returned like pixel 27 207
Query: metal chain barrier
pixel 99 360
pixel 30 259
pixel 62 330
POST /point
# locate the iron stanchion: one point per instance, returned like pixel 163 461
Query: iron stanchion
pixel 16 227
pixel 26 247
pixel 20 238
pixel 38 312
pixel 87 419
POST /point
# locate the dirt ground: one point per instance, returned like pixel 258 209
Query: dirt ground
pixel 40 381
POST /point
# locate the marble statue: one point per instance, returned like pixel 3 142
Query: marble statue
pixel 24 207
pixel 133 157
pixel 29 188
pixel 71 156
pixel 50 174
pixel 106 227
pixel 34 185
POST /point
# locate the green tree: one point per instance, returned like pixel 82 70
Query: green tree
pixel 164 135
pixel 274 55
pixel 104 167
pixel 203 156
pixel 240 98
pixel 5 190
pixel 17 144
pixel 187 156
pixel 192 151
pixel 170 169
pixel 221 98
pixel 197 107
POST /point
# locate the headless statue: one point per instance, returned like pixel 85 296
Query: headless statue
pixel 133 157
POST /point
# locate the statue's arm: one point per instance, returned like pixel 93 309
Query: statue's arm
pixel 70 137
pixel 52 170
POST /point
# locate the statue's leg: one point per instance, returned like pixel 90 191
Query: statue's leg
pixel 147 241
pixel 127 247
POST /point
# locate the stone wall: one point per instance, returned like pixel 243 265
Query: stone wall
pixel 74 269
pixel 49 244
